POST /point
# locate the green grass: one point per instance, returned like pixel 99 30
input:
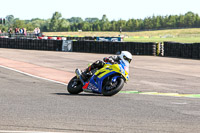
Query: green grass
pixel 176 39
pixel 176 35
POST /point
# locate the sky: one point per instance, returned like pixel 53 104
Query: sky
pixel 113 9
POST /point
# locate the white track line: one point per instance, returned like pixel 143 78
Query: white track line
pixel 28 74
pixel 7 131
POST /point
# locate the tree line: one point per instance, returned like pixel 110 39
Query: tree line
pixel 59 24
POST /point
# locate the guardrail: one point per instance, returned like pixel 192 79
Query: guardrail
pixel 17 35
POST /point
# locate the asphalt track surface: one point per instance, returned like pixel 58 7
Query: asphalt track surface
pixel 32 104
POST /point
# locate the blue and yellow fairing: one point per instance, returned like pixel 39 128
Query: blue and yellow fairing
pixel 96 81
pixel 113 68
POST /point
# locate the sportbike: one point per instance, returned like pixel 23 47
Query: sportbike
pixel 108 80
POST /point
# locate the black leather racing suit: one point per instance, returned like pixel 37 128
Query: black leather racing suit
pixel 99 64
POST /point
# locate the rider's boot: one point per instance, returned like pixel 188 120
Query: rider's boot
pixel 85 73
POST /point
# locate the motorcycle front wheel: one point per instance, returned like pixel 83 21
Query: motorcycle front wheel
pixel 114 88
pixel 74 86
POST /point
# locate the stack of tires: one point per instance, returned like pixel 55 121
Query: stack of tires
pixel 112 47
pixel 182 50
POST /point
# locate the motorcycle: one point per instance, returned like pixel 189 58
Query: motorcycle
pixel 108 80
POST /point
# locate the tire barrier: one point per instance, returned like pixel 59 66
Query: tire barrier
pixel 182 50
pixel 160 49
pixel 31 44
pixel 136 48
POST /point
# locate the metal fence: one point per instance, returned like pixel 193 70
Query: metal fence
pixel 18 35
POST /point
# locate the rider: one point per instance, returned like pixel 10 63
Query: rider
pixel 125 56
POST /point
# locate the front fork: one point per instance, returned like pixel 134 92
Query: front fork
pixel 78 74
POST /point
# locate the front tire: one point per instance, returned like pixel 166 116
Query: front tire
pixel 115 90
pixel 74 86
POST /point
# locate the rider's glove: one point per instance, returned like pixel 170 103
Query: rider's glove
pixel 105 59
pixel 110 60
pixel 99 63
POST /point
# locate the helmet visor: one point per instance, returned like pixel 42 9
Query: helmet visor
pixel 127 59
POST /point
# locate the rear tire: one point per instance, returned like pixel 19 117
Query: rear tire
pixel 120 84
pixel 74 89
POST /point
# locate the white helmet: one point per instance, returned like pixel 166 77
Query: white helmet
pixel 126 57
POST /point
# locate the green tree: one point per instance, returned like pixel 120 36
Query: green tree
pixel 170 22
pixel 130 25
pixel 104 18
pixel 19 24
pixel 181 21
pixel 113 26
pixel 98 28
pixel 86 27
pixel 197 21
pixel 57 23
pixel 189 19
pixel 29 27
pixel 104 23
pixel 75 20
pixel 54 24
pixel 3 28
pixel 122 24
pixel 10 20
pixel 148 24
pixel 63 25
pixel 91 20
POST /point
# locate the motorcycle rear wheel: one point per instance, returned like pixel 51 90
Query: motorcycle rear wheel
pixel 113 91
pixel 74 89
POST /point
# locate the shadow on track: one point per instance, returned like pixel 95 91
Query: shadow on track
pixel 83 94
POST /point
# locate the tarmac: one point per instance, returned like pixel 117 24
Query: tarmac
pixel 161 95
pixel 147 73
